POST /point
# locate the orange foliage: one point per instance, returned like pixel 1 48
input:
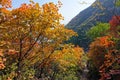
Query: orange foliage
pixel 98 50
pixel 6 3
pixel 105 57
pixel 11 52
pixel 2 60
pixel 106 42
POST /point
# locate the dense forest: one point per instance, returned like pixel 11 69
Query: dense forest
pixel 34 45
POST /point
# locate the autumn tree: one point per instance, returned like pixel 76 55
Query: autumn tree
pixel 98 49
pixel 30 35
pixel 110 68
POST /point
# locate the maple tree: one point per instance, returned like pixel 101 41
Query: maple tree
pixel 30 35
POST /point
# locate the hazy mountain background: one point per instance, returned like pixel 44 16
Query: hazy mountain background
pixel 82 22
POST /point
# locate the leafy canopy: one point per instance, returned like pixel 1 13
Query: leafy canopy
pixel 99 30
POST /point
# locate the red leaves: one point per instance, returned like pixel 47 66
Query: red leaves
pixel 114 25
pixel 115 21
pixel 112 58
pixel 114 72
pixel 109 69
pixel 107 76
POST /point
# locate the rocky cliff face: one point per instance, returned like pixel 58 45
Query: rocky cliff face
pixel 99 11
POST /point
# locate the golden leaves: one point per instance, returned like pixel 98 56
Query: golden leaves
pixel 1 52
pixel 35 35
pixel 2 60
pixel 69 56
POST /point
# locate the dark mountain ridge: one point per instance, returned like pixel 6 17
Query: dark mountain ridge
pixel 99 11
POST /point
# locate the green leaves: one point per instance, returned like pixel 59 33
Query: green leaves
pixel 99 30
pixel 117 3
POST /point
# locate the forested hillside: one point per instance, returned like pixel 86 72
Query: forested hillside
pixel 99 11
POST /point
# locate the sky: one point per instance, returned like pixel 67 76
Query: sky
pixel 69 9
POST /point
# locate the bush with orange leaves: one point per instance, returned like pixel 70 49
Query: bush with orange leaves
pixel 105 57
pixel 98 49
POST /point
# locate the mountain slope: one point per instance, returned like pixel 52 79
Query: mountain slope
pixel 89 17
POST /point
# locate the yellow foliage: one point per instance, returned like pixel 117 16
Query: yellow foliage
pixel 69 56
pixel 33 33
